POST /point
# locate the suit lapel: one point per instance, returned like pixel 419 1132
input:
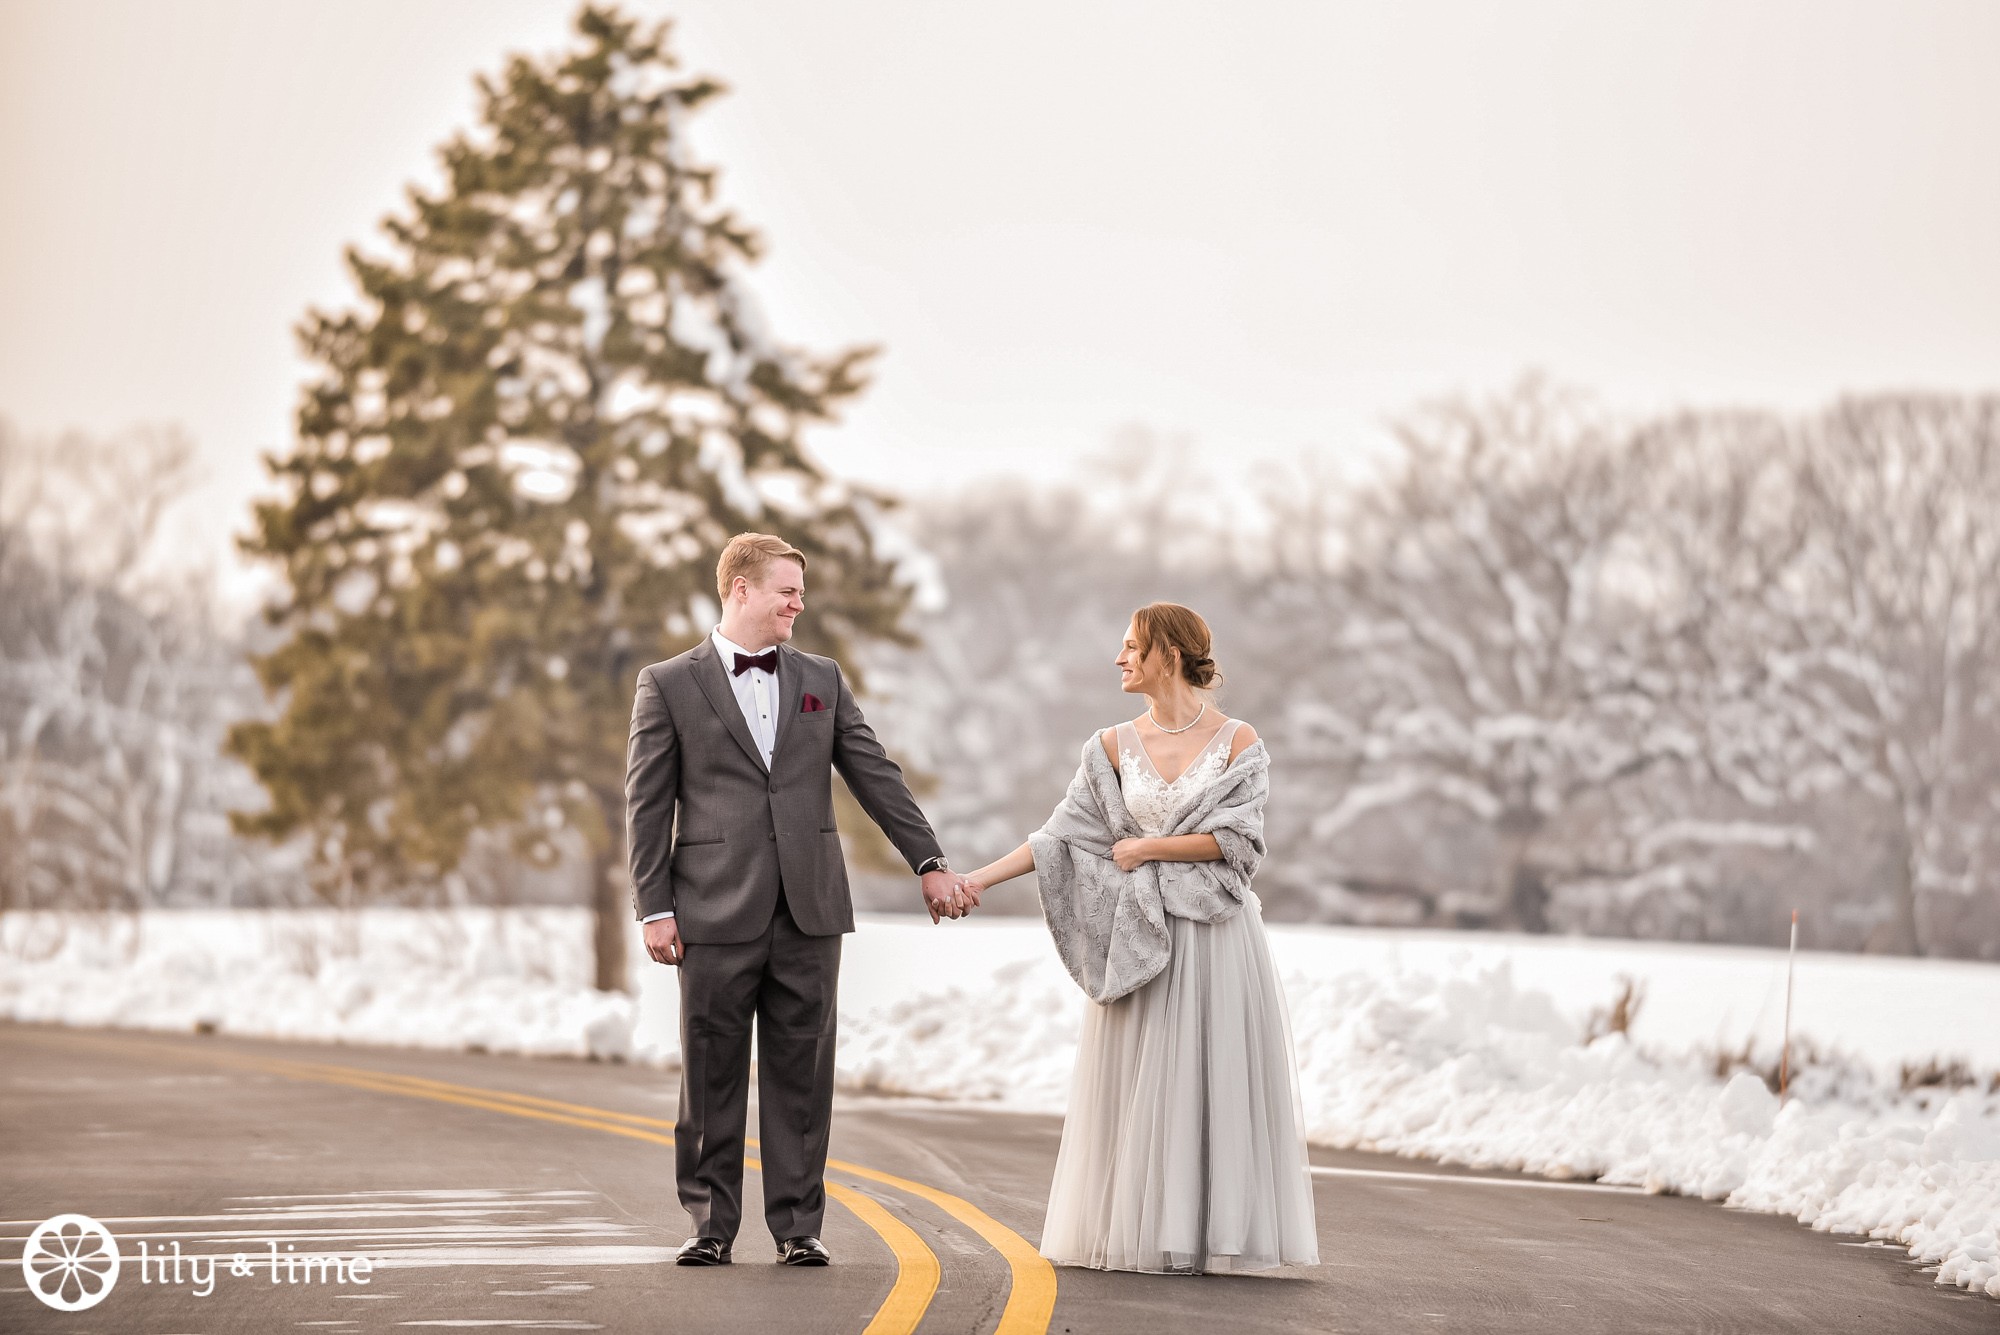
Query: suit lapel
pixel 791 690
pixel 714 681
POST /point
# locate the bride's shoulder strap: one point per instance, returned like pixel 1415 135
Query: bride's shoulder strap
pixel 1241 737
pixel 1119 739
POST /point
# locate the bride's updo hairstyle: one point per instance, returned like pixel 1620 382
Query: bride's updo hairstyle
pixel 1171 626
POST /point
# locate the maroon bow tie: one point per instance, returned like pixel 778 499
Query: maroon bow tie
pixel 768 660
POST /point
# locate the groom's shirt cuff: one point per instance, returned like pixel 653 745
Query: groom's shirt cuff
pixel 650 916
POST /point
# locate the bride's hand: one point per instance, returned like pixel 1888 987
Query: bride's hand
pixel 973 888
pixel 1130 854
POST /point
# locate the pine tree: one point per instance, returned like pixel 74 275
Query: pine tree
pixel 514 471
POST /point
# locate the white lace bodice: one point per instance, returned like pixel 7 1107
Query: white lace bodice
pixel 1150 798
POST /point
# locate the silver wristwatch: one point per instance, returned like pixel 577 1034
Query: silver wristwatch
pixel 938 863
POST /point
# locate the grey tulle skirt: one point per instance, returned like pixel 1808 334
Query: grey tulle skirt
pixel 1184 1148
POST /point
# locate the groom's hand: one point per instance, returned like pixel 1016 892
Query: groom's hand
pixel 944 895
pixel 663 941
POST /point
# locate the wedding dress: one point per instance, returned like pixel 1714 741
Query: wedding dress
pixel 1184 1146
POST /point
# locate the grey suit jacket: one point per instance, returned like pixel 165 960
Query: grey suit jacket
pixel 712 834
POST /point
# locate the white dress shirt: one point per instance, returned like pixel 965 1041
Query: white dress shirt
pixel 756 695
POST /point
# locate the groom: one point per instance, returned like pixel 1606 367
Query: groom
pixel 738 878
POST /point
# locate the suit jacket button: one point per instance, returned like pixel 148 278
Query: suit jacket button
pixel 773 834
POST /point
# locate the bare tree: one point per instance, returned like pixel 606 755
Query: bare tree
pixel 1012 670
pixel 114 685
pixel 1510 627
pixel 1884 631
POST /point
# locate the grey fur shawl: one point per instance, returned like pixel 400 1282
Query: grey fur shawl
pixel 1110 926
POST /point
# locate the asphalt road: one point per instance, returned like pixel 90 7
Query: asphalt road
pixel 505 1193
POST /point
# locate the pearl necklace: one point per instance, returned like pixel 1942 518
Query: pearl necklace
pixel 1184 727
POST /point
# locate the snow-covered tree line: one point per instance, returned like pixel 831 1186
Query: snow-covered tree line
pixel 115 688
pixel 1544 668
pixel 119 680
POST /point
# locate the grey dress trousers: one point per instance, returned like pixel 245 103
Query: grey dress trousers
pixel 749 861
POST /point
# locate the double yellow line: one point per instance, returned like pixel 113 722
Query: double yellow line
pixel 1031 1294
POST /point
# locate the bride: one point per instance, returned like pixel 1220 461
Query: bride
pixel 1184 1148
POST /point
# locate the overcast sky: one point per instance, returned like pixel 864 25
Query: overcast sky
pixel 1266 226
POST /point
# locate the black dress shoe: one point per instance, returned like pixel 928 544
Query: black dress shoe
pixel 703 1251
pixel 803 1251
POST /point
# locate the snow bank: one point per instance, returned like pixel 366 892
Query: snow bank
pixel 512 980
pixel 1466 1065
pixel 1467 1048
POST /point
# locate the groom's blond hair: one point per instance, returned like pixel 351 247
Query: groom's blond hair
pixel 750 555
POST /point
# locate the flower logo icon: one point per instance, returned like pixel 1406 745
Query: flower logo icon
pixel 71 1262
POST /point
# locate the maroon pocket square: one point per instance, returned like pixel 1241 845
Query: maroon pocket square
pixel 810 705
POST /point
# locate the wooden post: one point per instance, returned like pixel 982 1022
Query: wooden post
pixel 1785 1062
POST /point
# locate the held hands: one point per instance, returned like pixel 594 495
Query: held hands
pixel 949 895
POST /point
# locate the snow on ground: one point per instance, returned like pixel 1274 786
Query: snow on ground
pixel 1467 1048
pixel 513 980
